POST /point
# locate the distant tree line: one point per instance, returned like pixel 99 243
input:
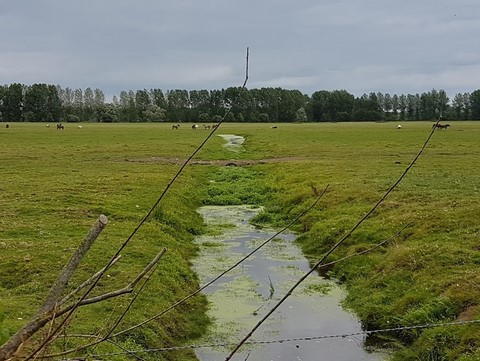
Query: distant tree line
pixel 50 103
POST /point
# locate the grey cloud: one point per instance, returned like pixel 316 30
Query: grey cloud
pixel 360 46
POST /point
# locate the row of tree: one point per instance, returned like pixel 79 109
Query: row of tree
pixel 50 103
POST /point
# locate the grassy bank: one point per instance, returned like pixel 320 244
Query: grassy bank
pixel 429 273
pixel 55 184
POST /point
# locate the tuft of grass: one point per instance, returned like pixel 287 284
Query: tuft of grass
pixel 236 186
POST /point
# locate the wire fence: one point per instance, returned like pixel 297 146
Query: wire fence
pixel 296 339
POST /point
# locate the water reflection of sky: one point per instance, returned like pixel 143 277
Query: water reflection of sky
pixel 240 300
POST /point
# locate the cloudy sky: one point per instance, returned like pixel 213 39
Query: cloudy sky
pixel 358 45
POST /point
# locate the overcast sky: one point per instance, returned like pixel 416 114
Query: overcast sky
pixel 395 47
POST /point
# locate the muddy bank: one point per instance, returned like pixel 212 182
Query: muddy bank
pixel 222 162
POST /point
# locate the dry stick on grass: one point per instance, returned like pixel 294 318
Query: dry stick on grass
pixel 126 290
pixel 144 219
pixel 38 323
pixel 44 315
pixel 186 298
pixel 57 289
pixel 152 266
pixel 86 283
pixel 331 250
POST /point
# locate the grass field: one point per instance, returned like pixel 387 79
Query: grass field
pixel 55 183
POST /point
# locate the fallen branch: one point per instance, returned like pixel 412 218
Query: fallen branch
pixel 87 282
pixel 46 312
pixel 58 287
pixel 125 290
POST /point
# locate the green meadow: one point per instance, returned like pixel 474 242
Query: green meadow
pixel 55 183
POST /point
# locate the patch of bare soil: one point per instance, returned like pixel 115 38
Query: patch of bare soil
pixel 223 162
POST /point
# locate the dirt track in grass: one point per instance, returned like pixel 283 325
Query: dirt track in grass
pixel 223 162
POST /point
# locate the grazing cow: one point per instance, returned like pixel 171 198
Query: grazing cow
pixel 80 127
pixel 48 125
pixel 215 126
pixel 175 126
pixel 205 126
pixel 7 126
pixel 60 126
pixel 399 126
pixel 195 126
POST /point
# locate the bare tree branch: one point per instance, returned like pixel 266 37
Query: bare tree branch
pixel 87 282
pixel 127 289
pixel 148 268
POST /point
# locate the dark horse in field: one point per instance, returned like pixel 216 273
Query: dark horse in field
pixel 60 126
pixel 440 126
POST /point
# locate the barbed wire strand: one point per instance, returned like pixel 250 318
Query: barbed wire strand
pixel 334 247
pixel 297 339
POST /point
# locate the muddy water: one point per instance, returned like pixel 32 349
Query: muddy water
pixel 239 301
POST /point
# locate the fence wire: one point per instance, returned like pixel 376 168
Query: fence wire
pixel 296 339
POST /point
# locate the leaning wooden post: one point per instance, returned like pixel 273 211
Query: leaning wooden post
pixel 44 315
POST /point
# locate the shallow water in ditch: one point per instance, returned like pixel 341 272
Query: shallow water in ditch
pixel 234 142
pixel 239 300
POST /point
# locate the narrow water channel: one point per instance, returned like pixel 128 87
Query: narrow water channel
pixel 239 301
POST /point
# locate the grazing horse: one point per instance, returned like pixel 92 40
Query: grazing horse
pixel 60 126
pixel 205 126
pixel 7 126
pixel 440 126
pixel 175 126
pixel 195 126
